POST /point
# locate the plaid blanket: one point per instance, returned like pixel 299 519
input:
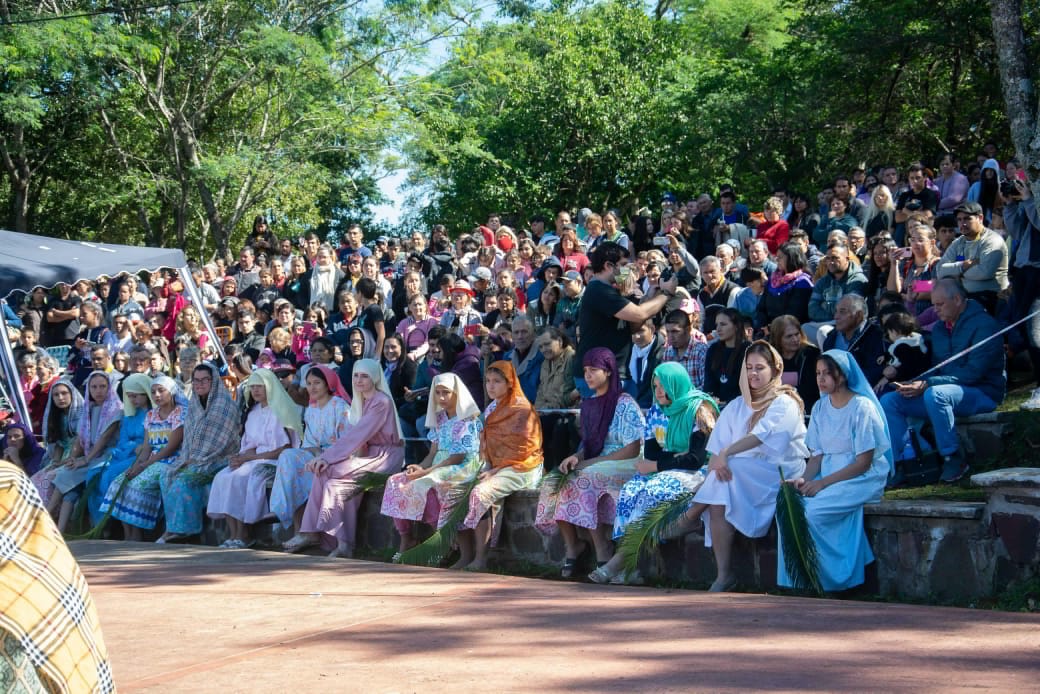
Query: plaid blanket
pixel 44 601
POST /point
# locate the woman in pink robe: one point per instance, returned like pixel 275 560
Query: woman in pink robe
pixel 372 443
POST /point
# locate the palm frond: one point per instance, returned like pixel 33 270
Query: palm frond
pixel 660 522
pixel 554 483
pixel 370 481
pixel 96 532
pixel 801 559
pixel 437 546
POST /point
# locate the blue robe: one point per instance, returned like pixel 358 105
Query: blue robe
pixel 123 455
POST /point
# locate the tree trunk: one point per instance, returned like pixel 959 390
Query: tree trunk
pixel 20 205
pixel 1015 80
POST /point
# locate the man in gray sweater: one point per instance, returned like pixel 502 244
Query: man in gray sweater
pixel 978 258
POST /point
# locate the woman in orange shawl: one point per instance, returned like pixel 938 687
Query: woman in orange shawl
pixel 511 448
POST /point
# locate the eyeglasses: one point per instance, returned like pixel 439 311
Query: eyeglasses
pixel 201 381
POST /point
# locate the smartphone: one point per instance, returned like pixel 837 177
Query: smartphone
pixel 662 241
pixel 471 330
pixel 421 391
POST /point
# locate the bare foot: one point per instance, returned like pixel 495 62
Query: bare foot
pixel 461 564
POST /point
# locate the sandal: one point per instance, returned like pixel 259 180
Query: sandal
pixel 299 542
pixel 602 575
pixel 569 566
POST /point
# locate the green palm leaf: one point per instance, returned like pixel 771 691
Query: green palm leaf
pixel 371 481
pixel 554 483
pixel 800 556
pixel 644 535
pixel 96 532
pixel 437 546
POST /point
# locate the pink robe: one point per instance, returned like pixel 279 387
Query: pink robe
pixel 371 445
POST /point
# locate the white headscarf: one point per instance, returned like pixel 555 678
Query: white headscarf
pixel 464 405
pixel 287 411
pixel 373 370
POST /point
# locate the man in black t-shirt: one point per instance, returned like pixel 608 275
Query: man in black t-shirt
pixel 604 315
pixel 916 198
pixel 371 316
pixel 62 317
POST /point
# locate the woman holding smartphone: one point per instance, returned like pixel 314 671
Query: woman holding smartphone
pixel 916 269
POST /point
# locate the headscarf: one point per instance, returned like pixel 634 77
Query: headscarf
pixel 75 411
pixel 31 453
pixel 464 405
pixel 682 412
pixel 135 383
pixel 170 385
pixel 287 411
pixel 371 368
pixel 210 430
pixel 598 412
pixel 759 400
pixel 111 412
pixel 331 379
pixel 512 434
pixel 859 385
pixel 45 597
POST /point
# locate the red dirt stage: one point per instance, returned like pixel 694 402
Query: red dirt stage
pixel 194 619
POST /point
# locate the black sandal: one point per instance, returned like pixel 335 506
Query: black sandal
pixel 569 567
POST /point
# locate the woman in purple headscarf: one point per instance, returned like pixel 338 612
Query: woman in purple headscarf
pixel 613 429
pixel 20 447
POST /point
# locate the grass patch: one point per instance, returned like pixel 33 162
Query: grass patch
pixel 937 492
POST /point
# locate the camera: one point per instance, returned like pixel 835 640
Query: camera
pixel 1008 188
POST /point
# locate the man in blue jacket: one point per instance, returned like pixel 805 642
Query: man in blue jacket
pixel 969 385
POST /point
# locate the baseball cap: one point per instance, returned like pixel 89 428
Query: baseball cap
pixel 572 275
pixel 481 273
pixel 972 208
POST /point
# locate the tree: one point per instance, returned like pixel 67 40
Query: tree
pixel 1017 80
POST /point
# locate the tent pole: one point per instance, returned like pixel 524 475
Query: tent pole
pixel 10 373
pixel 196 299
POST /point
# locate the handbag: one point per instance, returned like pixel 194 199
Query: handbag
pixel 924 468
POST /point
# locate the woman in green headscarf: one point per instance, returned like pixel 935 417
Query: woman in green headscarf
pixel 677 430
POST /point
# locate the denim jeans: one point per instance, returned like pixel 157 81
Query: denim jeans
pixel 941 404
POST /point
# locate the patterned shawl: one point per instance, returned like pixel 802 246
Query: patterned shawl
pixel 75 411
pixel 211 429
pixel 111 412
pixel 512 434
pixel 44 601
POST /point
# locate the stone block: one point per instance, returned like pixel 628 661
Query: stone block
pixel 952 575
pixel 1018 533
pixel 1023 477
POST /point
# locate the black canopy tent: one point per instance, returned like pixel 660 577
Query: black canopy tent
pixel 28 261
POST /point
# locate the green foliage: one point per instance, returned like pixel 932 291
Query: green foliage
pixel 800 556
pixel 661 522
pixel 602 104
pixel 436 547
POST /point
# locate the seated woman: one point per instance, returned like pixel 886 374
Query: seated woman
pixel 137 502
pixel 677 430
pixel 756 434
pixel 98 428
pixel 726 356
pixel 850 456
pixel 20 447
pixel 60 428
pixel 372 443
pixel 130 446
pixel 420 493
pixel 272 423
pixel 799 355
pixel 612 427
pixel 511 447
pixel 211 429
pixel 325 421
pixel 360 345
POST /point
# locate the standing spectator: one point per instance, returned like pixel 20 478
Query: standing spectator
pixel 1023 226
pixel 62 317
pixel 952 184
pixel 261 239
pixel 353 243
pixel 978 258
pixel 917 198
pixel 125 304
pixel 605 310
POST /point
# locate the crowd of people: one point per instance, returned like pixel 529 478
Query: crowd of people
pixel 648 359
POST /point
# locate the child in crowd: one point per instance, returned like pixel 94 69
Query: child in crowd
pixel 908 354
pixel 746 298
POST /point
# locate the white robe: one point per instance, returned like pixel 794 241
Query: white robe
pixel 750 497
